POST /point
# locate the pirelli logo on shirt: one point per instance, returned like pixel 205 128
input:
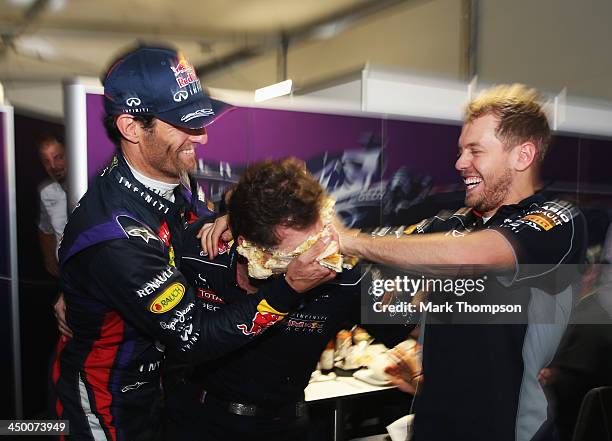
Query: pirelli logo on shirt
pixel 541 220
pixel 410 229
pixel 550 215
pixel 168 299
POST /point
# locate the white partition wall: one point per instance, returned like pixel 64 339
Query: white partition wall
pixel 75 107
pixel 9 311
pixel 399 93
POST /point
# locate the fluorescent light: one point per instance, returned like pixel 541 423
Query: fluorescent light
pixel 36 47
pixel 274 90
pixel 53 5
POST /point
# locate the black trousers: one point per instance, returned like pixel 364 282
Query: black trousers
pixel 188 419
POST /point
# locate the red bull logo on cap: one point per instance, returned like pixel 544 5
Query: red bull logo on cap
pixel 184 73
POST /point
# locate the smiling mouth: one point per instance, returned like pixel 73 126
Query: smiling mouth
pixel 471 182
pixel 189 152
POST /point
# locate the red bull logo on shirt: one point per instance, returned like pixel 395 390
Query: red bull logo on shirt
pixel 265 317
pixel 223 247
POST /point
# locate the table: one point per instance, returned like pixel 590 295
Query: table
pixel 337 392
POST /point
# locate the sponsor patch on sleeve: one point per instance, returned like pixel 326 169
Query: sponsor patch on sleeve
pixel 156 282
pixel 540 219
pixel 168 299
pixel 548 216
pixel 410 229
pixel 136 229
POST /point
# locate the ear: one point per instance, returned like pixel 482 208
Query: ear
pixel 240 239
pixel 526 155
pixel 129 128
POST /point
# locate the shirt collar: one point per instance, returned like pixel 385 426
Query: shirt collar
pixel 120 169
pixel 506 210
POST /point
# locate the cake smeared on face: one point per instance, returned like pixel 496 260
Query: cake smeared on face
pixel 265 262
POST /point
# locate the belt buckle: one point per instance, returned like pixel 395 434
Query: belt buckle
pixel 242 409
pixel 300 409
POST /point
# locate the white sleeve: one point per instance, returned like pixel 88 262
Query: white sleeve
pixel 44 220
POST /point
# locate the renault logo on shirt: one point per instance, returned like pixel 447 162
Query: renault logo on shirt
pixel 168 299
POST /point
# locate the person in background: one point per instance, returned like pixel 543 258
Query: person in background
pixel 52 197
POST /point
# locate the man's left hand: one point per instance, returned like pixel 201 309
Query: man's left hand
pixel 59 310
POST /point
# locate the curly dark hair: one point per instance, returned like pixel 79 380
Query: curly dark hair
pixel 273 193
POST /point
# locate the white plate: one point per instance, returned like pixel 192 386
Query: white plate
pixel 365 375
pixel 342 365
pixel 317 376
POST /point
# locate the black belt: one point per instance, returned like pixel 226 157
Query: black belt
pixel 296 409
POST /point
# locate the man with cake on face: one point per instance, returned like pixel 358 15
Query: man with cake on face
pixel 277 211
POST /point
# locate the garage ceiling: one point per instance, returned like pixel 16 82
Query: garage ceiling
pixel 47 40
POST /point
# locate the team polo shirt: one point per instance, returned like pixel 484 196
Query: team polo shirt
pixel 481 376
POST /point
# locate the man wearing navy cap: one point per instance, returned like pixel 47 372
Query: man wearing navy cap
pixel 127 302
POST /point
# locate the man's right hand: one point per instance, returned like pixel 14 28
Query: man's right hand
pixel 405 372
pixel 48 248
pixel 52 266
pixel 304 272
pixel 210 234
pixel 59 310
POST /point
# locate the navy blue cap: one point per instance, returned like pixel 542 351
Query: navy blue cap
pixel 159 82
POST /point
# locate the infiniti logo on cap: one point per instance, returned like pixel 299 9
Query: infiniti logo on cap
pixel 180 96
pixel 135 101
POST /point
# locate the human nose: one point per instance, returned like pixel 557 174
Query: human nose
pixel 462 162
pixel 199 137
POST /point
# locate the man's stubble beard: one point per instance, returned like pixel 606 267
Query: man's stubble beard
pixel 183 167
pixel 494 195
pixel 164 160
pixel 184 170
